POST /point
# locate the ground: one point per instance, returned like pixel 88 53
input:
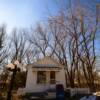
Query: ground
pixel 15 97
pixel 77 97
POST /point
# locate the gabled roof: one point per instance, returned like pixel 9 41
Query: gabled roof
pixel 46 62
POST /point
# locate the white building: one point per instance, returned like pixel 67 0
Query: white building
pixel 43 75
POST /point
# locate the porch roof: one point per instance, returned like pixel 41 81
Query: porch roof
pixel 46 68
pixel 46 63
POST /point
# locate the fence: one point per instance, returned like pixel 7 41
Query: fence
pixel 74 91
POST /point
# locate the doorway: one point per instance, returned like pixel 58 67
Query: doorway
pixel 52 77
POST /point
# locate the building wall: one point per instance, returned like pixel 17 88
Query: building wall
pixel 60 77
pixel 31 82
pixel 31 79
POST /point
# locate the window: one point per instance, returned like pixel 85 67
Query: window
pixel 41 77
pixel 52 77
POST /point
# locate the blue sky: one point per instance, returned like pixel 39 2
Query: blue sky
pixel 20 13
pixel 25 13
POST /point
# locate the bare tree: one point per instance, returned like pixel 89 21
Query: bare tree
pixel 19 46
pixel 40 39
pixel 77 30
pixel 3 47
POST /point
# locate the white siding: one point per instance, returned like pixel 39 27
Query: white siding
pixel 31 79
pixel 60 77
pixel 31 82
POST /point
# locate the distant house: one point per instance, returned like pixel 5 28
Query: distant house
pixel 43 75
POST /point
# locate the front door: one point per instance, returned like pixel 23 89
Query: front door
pixel 52 77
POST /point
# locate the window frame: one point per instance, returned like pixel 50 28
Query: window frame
pixel 41 77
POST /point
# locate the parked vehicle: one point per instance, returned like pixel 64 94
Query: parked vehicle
pixel 60 95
